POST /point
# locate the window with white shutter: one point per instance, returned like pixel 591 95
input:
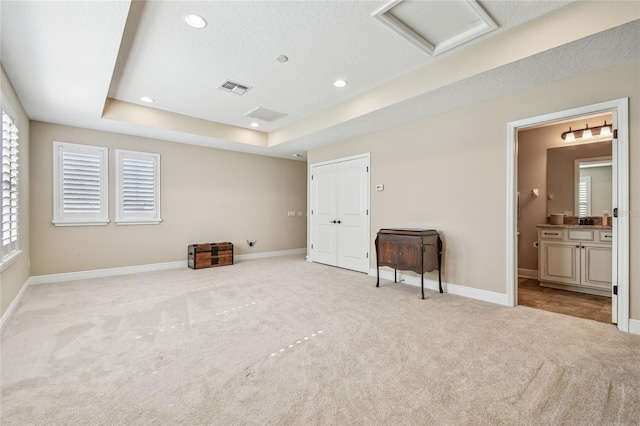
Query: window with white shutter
pixel 137 188
pixel 9 230
pixel 584 196
pixel 80 187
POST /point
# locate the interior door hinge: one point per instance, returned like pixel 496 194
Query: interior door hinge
pixel 615 134
pixel 367 255
pixel 311 177
pixel 615 212
pixel 367 169
pixel 615 290
pixel 311 246
pixel 312 212
pixel 367 212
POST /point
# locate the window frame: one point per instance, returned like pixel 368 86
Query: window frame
pixel 10 252
pixel 152 217
pixel 62 218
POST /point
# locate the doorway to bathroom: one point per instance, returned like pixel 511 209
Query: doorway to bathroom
pixel 558 166
pixel 565 176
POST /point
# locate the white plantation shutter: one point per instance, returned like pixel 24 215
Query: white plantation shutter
pixel 584 196
pixel 137 187
pixel 9 186
pixel 80 185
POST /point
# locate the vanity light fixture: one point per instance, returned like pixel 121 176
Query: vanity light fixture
pixel 195 21
pixel 587 133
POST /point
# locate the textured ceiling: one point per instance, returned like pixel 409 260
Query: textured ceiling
pixel 70 61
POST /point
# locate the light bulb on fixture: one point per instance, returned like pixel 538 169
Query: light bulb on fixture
pixel 605 130
pixel 586 133
pixel 569 136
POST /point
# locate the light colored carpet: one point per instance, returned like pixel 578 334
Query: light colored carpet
pixel 284 341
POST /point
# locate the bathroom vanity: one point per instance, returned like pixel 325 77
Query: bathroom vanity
pixel 575 257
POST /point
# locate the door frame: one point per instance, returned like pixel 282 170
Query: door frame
pixel 365 155
pixel 620 157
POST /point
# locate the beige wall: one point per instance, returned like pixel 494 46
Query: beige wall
pixel 14 277
pixel 449 172
pixel 207 195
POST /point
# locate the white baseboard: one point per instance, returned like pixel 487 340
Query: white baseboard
pixel 634 326
pixel 270 254
pixel 458 290
pixel 528 273
pixel 99 273
pixel 14 304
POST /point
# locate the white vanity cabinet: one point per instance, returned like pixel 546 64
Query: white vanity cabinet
pixel 575 258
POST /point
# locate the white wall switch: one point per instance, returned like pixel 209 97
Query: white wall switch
pixel 291 213
pixel 300 213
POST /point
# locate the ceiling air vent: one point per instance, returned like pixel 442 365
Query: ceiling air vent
pixel 265 114
pixel 233 87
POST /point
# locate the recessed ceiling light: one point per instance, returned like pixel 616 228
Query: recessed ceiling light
pixel 297 155
pixel 282 58
pixel 340 83
pixel 254 124
pixel 146 99
pixel 196 21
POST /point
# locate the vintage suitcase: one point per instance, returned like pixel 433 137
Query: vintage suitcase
pixel 209 255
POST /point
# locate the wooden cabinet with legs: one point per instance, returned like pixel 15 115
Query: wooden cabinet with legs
pixel 417 250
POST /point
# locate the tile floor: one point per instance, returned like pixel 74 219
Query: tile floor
pixel 589 306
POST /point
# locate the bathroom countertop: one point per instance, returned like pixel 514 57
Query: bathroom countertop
pixel 574 226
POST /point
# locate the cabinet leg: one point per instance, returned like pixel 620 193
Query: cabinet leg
pixel 422 284
pixel 440 270
pixel 378 281
pixel 395 275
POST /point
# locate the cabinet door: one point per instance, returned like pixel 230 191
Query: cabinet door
pixel 410 254
pixel 560 262
pixel 387 250
pixel 596 266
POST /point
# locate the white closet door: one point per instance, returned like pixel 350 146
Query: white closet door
pixel 353 204
pixel 324 207
pixel 339 213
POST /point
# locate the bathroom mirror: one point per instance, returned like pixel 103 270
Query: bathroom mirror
pixel 592 180
pixel 564 173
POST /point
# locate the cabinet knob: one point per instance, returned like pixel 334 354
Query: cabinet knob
pixel 332 221
pixel 339 222
pixel 578 246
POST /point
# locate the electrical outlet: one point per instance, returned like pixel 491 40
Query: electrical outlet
pixel 299 213
pixel 291 213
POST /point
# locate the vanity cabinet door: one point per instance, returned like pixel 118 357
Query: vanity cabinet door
pixel 596 266
pixel 560 262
